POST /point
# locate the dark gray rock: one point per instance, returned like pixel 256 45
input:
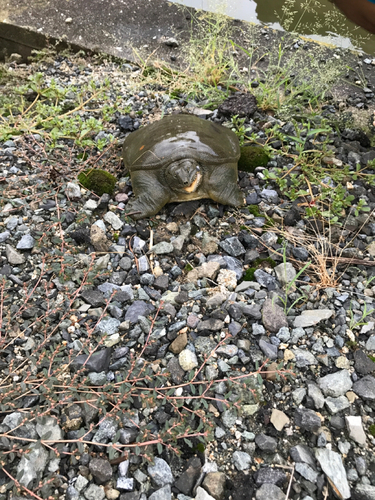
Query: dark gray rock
pixel 235 265
pixel 241 104
pixel 101 470
pixel 365 388
pixel 71 493
pixel 304 358
pixel 147 279
pixel 125 263
pixel 176 327
pixel 273 316
pixel 266 443
pixel 308 420
pixel 234 328
pixel 118 277
pixel 235 311
pixel 4 236
pixel 265 279
pixel 338 422
pixel 300 253
pixel 250 256
pixel 270 475
pixel 316 395
pixel 363 363
pixel 187 480
pixel 252 199
pixel 93 297
pixel 253 311
pixel 97 362
pixel 174 368
pixel 302 453
pixel 107 430
pixel 210 324
pixel 292 217
pixel 161 283
pixel 232 246
pixel 269 350
pixel 138 308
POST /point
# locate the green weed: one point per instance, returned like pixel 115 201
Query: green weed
pixel 45 108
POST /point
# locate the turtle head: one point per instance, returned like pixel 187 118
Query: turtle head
pixel 184 176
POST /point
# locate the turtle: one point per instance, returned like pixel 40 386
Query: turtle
pixel 181 158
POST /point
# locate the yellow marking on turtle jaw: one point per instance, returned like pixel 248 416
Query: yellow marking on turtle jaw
pixel 193 186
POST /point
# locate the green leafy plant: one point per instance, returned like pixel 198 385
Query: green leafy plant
pixel 238 127
pixel 291 285
pixel 359 319
pixel 45 108
pixel 315 167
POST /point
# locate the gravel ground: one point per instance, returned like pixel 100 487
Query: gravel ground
pixel 100 315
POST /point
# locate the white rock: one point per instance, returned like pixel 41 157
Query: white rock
pixel 113 220
pixel 203 495
pixel 32 464
pixel 48 426
pixel 15 258
pixel 285 273
pixel 73 191
pixel 355 429
pixel 279 419
pixel 188 360
pixel 90 205
pixel 227 278
pixel 312 317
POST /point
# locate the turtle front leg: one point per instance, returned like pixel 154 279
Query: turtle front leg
pixel 222 186
pixel 150 195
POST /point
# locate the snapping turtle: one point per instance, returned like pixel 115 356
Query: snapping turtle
pixel 182 158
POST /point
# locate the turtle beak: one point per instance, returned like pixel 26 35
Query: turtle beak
pixel 197 180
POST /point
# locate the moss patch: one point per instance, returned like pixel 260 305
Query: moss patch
pixel 249 274
pixel 254 210
pixel 372 430
pixel 97 181
pixel 252 157
pixel 257 264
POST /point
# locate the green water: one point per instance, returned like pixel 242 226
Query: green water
pixel 320 21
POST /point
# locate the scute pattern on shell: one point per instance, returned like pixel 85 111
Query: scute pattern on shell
pixel 178 137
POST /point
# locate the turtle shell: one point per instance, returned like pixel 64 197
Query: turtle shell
pixel 179 137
